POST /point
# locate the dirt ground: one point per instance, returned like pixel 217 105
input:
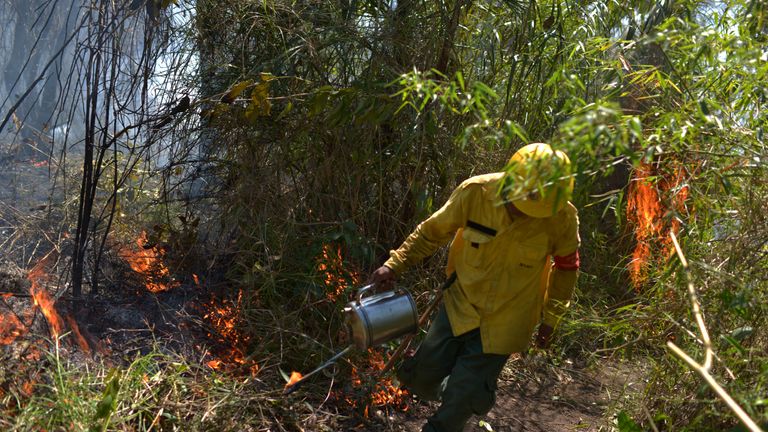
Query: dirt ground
pixel 536 395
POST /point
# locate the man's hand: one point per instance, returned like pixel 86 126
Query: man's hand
pixel 384 278
pixel 544 336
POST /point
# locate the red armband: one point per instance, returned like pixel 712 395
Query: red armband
pixel 567 263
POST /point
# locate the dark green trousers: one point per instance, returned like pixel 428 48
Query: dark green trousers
pixel 454 369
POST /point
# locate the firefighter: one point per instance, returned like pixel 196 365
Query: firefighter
pixel 515 255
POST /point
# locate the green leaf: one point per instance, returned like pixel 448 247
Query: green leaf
pixel 284 375
pixel 734 343
pixel 288 108
pixel 319 101
pixel 742 333
pixel 266 77
pixel 515 129
pixel 485 425
pixel 460 80
pixel 108 403
pixel 626 424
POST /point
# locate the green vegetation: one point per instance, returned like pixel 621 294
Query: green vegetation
pixel 151 392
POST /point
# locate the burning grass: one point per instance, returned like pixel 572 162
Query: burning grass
pixel 155 391
pixel 383 393
pixel 66 389
pixel 225 319
pixel 42 299
pixel 336 276
pixel 653 206
pixel 149 261
pixel 11 328
pixel 18 318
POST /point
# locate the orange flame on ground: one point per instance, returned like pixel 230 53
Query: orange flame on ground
pixel 383 392
pixel 224 316
pixel 10 329
pixel 81 342
pixel 43 300
pixel 336 277
pixel 149 262
pixel 646 211
pixel 295 377
pixel 27 388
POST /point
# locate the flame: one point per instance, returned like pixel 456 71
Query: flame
pixel 10 329
pixel 646 210
pixel 27 387
pixel 43 300
pixel 295 377
pixel 335 276
pixel 385 392
pixel 81 342
pixel 224 316
pixel 149 262
pixel 382 393
pixel 47 305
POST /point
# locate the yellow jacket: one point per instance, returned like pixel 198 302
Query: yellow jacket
pixel 505 275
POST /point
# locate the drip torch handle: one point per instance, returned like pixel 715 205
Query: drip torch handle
pixel 364 290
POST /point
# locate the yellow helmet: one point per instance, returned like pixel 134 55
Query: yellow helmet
pixel 538 180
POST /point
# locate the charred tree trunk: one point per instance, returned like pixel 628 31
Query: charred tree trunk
pixel 90 172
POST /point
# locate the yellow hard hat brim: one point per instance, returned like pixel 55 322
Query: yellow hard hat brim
pixel 540 209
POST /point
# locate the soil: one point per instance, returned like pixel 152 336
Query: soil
pixel 536 395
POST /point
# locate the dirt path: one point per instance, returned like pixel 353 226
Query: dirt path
pixel 536 395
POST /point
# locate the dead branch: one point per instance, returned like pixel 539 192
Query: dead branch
pixel 703 369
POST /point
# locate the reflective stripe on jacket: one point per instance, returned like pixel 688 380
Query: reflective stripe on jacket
pixel 503 265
